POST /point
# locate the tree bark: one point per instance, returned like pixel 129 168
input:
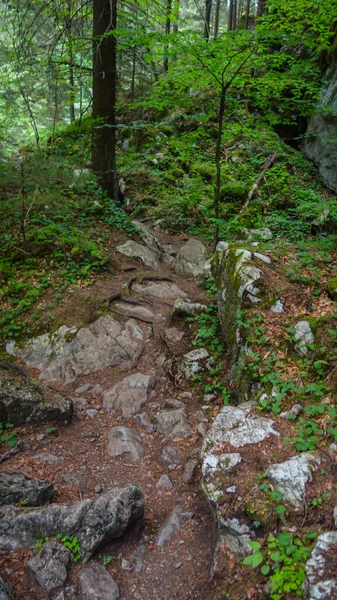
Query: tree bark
pixel 230 15
pixel 71 63
pixel 221 113
pixel 104 95
pixel 216 19
pixel 261 7
pixel 167 31
pixel 208 9
pixel 176 16
pixel 247 14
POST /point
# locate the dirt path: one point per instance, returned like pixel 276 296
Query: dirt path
pixel 177 569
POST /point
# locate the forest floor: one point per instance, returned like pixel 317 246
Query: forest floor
pixel 180 569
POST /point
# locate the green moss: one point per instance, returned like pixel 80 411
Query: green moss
pixel 332 288
pixel 177 173
pixel 234 189
pixel 204 169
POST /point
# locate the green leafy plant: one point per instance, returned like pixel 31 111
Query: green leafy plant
pixel 8 435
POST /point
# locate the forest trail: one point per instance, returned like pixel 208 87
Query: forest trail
pixel 170 557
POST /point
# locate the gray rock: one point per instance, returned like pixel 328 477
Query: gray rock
pixel 96 583
pixel 16 487
pixel 163 290
pixel 122 440
pixel 104 343
pixel 138 556
pixel 264 234
pixel 129 395
pixel 23 403
pixel 235 425
pixel 291 476
pixel 262 257
pixel 144 421
pixel 83 388
pixel 173 403
pixel 170 456
pixel 70 590
pixel 50 565
pixel 186 308
pixel 202 430
pixel 335 516
pixel 189 471
pixel 319 143
pixel 191 259
pixel 74 478
pixel 5 591
pixel 237 538
pixel 295 410
pixel 321 581
pixel 277 308
pixel 135 250
pixel 149 239
pixel 96 390
pixel 221 462
pixel 173 334
pixel 137 312
pixel 94 522
pixel 172 423
pixel 304 337
pixel 193 362
pixel 170 527
pixel 164 483
pixel 48 458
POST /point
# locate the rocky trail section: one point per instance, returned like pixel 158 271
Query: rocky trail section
pixel 122 474
pixel 158 486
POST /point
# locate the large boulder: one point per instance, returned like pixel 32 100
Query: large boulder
pixel 50 565
pixel 144 254
pixel 22 403
pixel 291 476
pixel 321 581
pixel 17 487
pixel 191 259
pixel 320 141
pixel 94 522
pixel 69 352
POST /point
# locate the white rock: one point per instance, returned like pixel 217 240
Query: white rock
pixel 303 337
pixel 262 257
pixel 135 250
pixel 321 582
pixel 291 476
pixel 277 307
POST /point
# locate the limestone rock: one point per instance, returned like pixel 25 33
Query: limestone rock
pixel 22 403
pixel 162 290
pixel 321 581
pixel 164 483
pixel 149 239
pixel 193 362
pixel 16 487
pixel 304 337
pixel 170 457
pixel 191 259
pixel 144 421
pixel 94 522
pixel 50 565
pixel 189 471
pixel 48 458
pixel 136 312
pixel 96 583
pixel 186 308
pixel 5 591
pixel 122 440
pixel 129 395
pixel 319 143
pixel 170 527
pixel 238 537
pixel 67 353
pixel 172 423
pixel 291 476
pixel 173 334
pixel 264 234
pixel 277 308
pixel 135 250
pixel 138 556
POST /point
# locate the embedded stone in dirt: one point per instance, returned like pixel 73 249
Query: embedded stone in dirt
pixel 173 403
pixel 17 487
pixel 48 458
pixel 237 539
pixel 138 556
pixel 50 565
pixel 72 478
pixel 104 343
pixel 143 420
pixel 304 337
pixel 193 362
pixel 163 290
pixel 321 581
pixel 134 250
pixel 221 462
pixel 137 312
pixel 291 476
pixel 173 423
pixel 170 457
pixel 96 583
pixel 94 522
pixel 122 440
pixel 191 259
pixel 129 395
pixel 149 238
pixel 173 334
pixel 164 483
pixel 235 425
pixel 23 403
pixel 186 308
pixel 5 591
pixel 189 471
pixel 170 527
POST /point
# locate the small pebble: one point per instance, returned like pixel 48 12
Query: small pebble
pixel 99 488
pixel 178 565
pixel 40 437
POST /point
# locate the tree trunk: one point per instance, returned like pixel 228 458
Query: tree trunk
pixel 218 164
pixel 235 10
pixel 261 7
pixel 216 19
pixel 230 15
pixel 208 9
pixel 247 14
pixel 176 16
pixel 71 63
pixel 104 95
pixel 167 31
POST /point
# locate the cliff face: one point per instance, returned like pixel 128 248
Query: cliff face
pixel 320 144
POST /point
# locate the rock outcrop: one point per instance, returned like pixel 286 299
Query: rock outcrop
pixel 17 487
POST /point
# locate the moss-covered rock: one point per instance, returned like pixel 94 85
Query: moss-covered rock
pixel 332 288
pixel 234 189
